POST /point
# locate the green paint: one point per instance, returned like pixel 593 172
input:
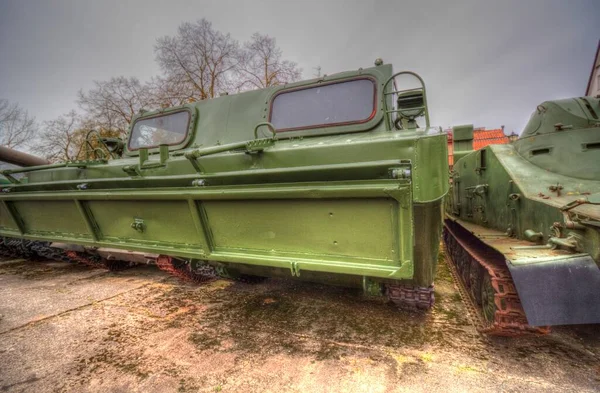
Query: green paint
pixel 341 199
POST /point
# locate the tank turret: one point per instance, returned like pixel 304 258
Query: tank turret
pixel 562 137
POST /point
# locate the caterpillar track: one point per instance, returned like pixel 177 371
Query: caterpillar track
pixel 183 270
pixel 232 274
pixel 409 297
pixel 16 248
pixel 486 285
pixel 404 296
pixel 28 249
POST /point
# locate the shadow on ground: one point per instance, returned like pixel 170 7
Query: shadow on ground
pixel 139 330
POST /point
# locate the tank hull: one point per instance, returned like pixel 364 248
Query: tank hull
pixel 352 227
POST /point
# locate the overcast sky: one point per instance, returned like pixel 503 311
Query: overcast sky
pixel 485 62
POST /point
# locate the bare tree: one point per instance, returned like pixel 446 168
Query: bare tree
pixel 112 104
pixel 60 139
pixel 16 127
pixel 199 61
pixel 170 91
pixel 261 64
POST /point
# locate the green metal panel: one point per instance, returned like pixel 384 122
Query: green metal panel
pixel 359 228
pixel 168 222
pixel 351 227
pixel 52 217
pixel 6 221
pixel 430 174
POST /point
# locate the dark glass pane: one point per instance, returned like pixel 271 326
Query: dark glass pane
pixel 161 130
pixel 345 102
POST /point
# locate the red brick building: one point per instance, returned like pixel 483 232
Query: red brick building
pixel 481 138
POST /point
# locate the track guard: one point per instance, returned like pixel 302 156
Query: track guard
pixel 565 292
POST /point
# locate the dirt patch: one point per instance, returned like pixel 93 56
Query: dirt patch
pixel 38 270
pixel 283 335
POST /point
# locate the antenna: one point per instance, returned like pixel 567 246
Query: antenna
pixel 318 69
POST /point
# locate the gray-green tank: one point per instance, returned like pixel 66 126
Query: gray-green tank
pixel 523 221
pixel 339 178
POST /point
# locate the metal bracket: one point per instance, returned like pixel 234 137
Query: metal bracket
pixel 371 287
pixel 139 225
pixel 258 145
pixel 295 269
pixel 132 170
pixel 400 173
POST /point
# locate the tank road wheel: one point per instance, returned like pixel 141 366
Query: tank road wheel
pixel 116 265
pixel 488 305
pixel 462 263
pixel 475 278
pixel 182 269
pixel 465 272
pixel 233 274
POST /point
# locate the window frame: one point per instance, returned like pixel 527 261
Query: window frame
pixel 321 84
pixel 163 113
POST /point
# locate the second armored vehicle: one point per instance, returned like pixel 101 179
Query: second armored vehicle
pixel 523 221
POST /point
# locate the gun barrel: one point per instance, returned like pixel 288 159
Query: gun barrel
pixel 19 158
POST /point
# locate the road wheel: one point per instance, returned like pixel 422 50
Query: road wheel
pixel 234 274
pixel 475 278
pixel 488 306
pixel 465 268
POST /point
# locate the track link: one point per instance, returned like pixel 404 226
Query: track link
pixel 96 262
pixel 509 318
pixel 17 248
pixel 183 271
pixel 27 249
pixel 410 297
pixel 233 274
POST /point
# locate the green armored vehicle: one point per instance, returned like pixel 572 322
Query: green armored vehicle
pixel 523 221
pixel 330 178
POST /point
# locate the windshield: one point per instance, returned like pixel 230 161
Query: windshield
pixel 334 104
pixel 170 129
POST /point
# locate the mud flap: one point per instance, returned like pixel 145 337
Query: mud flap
pixel 565 292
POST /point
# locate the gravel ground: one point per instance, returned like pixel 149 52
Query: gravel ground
pixel 66 328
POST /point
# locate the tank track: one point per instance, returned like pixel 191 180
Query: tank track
pixel 232 274
pixel 249 279
pixel 96 262
pixel 17 248
pixel 28 249
pixel 44 250
pixel 409 297
pixel 465 253
pixel 182 270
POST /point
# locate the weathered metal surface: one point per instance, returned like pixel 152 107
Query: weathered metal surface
pixel 537 203
pixel 340 196
pixel 568 294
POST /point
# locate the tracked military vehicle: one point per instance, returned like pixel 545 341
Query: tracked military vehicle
pixel 327 179
pixel 522 221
